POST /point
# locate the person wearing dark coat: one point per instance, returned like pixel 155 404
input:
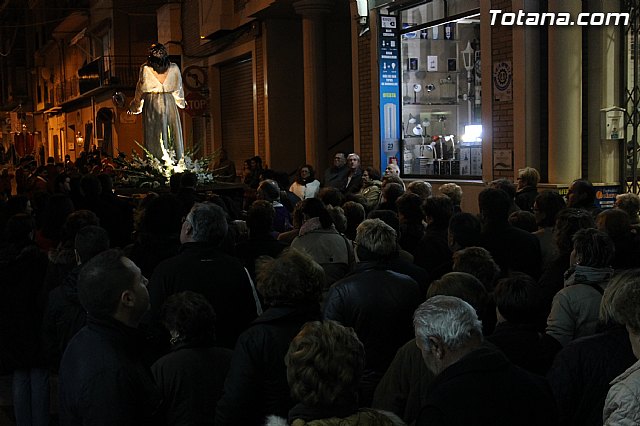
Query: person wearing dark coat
pixel 23 268
pixel 352 182
pixel 191 377
pixel 64 315
pixel 403 388
pixel 474 384
pixel 513 249
pixel 527 189
pixel 256 385
pixel 432 252
pixel 103 379
pixel 516 299
pixel 261 241
pixel 582 371
pixel 335 175
pixel 202 267
pixel 376 302
pixel 157 236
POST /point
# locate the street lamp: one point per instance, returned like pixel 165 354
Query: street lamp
pixel 467 58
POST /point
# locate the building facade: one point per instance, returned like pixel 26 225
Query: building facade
pixel 435 86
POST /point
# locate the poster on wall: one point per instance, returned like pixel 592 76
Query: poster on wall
pixel 502 81
pixel 388 58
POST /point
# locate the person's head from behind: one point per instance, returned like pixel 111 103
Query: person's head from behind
pixel 630 203
pixel 453 191
pixel 446 328
pixel 189 180
pixel 389 179
pixel 338 217
pixel 76 221
pixel 268 190
pixel 516 299
pixel 325 362
pixel 189 319
pixel 260 218
pixel 592 248
pixel 391 192
pixel 291 278
pixel 90 241
pixel 421 188
pixel 158 58
pixel 314 208
pixel 524 220
pixel 205 223
pixel 568 222
pixel 19 230
pixel 546 207
pixel 354 212
pixel 375 240
pixel 494 205
pixel 478 262
pixel 581 194
pixel 410 209
pixel 615 222
pixel 622 279
pixel 505 185
pixel 331 196
pixel 387 216
pixel 438 210
pixel 626 307
pixel 464 231
pixel 111 286
pixel 528 177
pixel 90 186
pixel 463 285
pixel 162 216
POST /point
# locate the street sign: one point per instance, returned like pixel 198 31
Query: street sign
pixel 196 104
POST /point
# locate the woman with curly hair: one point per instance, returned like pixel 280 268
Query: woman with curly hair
pixel 191 377
pixel 305 185
pixel 325 362
pixel 256 385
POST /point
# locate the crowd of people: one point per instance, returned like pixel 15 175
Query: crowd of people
pixel 354 298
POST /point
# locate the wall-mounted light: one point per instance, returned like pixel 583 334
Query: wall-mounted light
pixel 79 140
pixel 363 15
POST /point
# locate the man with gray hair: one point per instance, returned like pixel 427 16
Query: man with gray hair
pixel 202 267
pixel 353 181
pixel 375 301
pixel 475 384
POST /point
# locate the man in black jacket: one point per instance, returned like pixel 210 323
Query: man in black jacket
pixel 513 249
pixel 375 301
pixel 202 267
pixel 103 380
pixel 474 384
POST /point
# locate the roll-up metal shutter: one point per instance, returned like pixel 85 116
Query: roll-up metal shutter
pixel 236 103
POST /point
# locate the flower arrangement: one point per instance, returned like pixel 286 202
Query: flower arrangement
pixel 147 170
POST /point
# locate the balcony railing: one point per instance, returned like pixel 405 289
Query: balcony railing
pixel 105 73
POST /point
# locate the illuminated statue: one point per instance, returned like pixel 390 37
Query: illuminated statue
pixel 158 95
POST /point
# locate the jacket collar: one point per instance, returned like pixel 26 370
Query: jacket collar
pixel 306 311
pixel 131 338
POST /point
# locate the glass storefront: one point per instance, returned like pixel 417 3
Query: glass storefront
pixel 441 96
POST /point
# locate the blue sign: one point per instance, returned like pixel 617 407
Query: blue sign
pixel 388 58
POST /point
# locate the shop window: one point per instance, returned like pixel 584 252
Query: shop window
pixel 441 92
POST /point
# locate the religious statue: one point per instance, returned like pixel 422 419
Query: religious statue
pixel 158 95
